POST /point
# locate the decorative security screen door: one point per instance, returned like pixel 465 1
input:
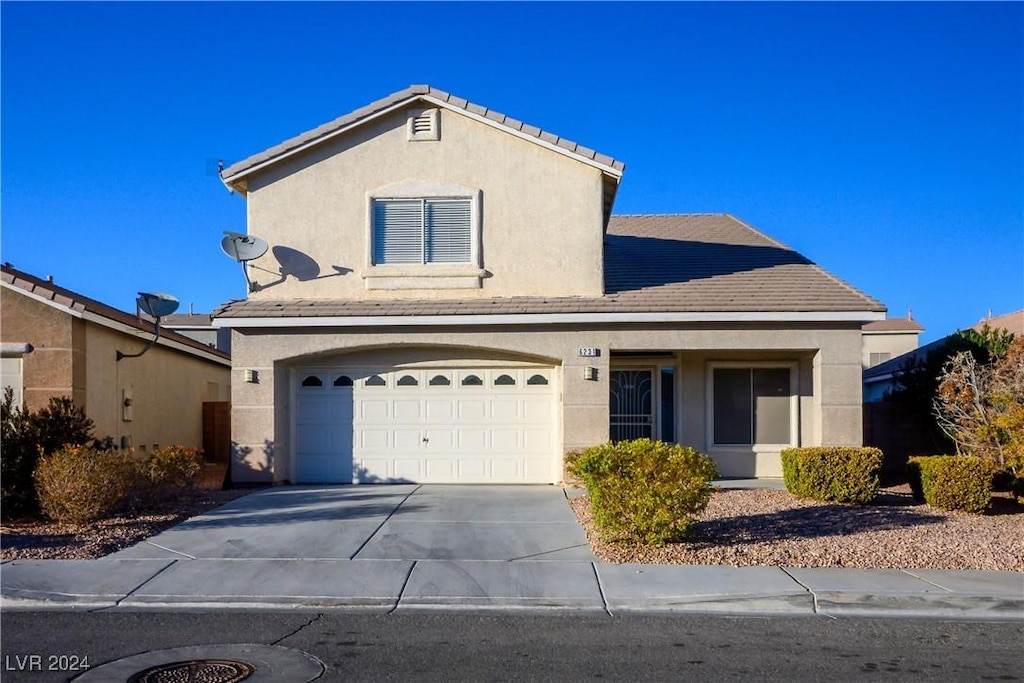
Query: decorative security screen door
pixel 632 404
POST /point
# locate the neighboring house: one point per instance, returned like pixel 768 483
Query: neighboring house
pixel 199 326
pixel 448 298
pixel 885 339
pixel 57 342
pixel 1011 322
pixel 880 380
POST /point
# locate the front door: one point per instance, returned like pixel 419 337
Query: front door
pixel 631 404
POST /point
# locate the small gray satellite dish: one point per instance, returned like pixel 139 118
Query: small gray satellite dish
pixel 243 248
pixel 157 305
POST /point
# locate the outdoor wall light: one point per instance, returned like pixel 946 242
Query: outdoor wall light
pixel 252 376
pixel 590 373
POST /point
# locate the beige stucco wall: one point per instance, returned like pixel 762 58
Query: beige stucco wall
pixel 541 214
pixel 167 388
pixel 893 343
pixel 827 361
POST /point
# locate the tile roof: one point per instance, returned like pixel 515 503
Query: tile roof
pixel 703 263
pixel 411 93
pixel 1013 322
pixel 47 289
pixel 893 325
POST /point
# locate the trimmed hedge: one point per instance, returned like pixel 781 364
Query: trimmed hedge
pixel 644 490
pixel 952 482
pixel 840 474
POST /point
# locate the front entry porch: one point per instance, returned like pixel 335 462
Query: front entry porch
pixel 742 409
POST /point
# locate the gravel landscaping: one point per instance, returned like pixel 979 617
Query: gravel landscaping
pixel 43 540
pixel 774 528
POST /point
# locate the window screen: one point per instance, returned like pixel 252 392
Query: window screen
pixel 420 231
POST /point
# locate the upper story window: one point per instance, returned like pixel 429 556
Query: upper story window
pixel 422 231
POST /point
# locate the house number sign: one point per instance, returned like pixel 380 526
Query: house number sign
pixel 590 351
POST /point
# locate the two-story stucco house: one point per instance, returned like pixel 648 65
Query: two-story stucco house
pixel 448 298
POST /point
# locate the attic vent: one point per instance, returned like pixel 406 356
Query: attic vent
pixel 424 125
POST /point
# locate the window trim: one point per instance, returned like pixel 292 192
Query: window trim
pixel 794 404
pixel 420 189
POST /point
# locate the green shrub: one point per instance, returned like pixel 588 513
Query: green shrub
pixel 841 474
pixel 955 482
pixel 79 485
pixel 645 490
pixel 914 477
pixel 174 469
pixel 28 435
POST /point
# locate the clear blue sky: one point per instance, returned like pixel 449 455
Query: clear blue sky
pixel 884 141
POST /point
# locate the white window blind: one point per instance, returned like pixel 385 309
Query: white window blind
pixel 422 231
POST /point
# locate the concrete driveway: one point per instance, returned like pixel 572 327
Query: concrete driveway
pixel 394 522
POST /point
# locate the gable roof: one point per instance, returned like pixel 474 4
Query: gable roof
pixel 697 266
pixel 234 174
pixel 82 306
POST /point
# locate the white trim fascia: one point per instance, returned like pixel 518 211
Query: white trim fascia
pixel 142 334
pixel 43 300
pixel 233 180
pixel 548 319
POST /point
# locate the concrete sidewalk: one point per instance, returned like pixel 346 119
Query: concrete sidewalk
pixel 459 548
pixel 387 585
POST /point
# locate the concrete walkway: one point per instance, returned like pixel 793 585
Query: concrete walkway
pixel 413 547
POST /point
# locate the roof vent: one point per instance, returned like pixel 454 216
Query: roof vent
pixel 424 125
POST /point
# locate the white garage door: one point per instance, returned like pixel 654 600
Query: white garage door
pixel 484 425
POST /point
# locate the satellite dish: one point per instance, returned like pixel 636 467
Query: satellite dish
pixel 157 305
pixel 243 248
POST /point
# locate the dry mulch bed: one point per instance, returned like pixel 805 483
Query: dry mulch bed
pixel 760 527
pixel 41 539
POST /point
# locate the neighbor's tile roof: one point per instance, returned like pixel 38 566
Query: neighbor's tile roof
pixel 664 263
pixel 1013 322
pixel 74 301
pixel 893 325
pixel 411 93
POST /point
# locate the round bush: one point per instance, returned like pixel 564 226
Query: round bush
pixel 645 490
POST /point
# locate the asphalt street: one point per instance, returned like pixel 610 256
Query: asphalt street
pixel 508 646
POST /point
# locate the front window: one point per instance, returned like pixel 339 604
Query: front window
pixel 752 406
pixel 422 231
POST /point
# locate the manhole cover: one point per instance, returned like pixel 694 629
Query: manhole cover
pixel 196 671
pixel 210 664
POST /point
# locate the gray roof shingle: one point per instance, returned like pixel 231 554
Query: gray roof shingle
pixel 685 263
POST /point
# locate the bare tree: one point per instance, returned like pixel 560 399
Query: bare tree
pixel 981 406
